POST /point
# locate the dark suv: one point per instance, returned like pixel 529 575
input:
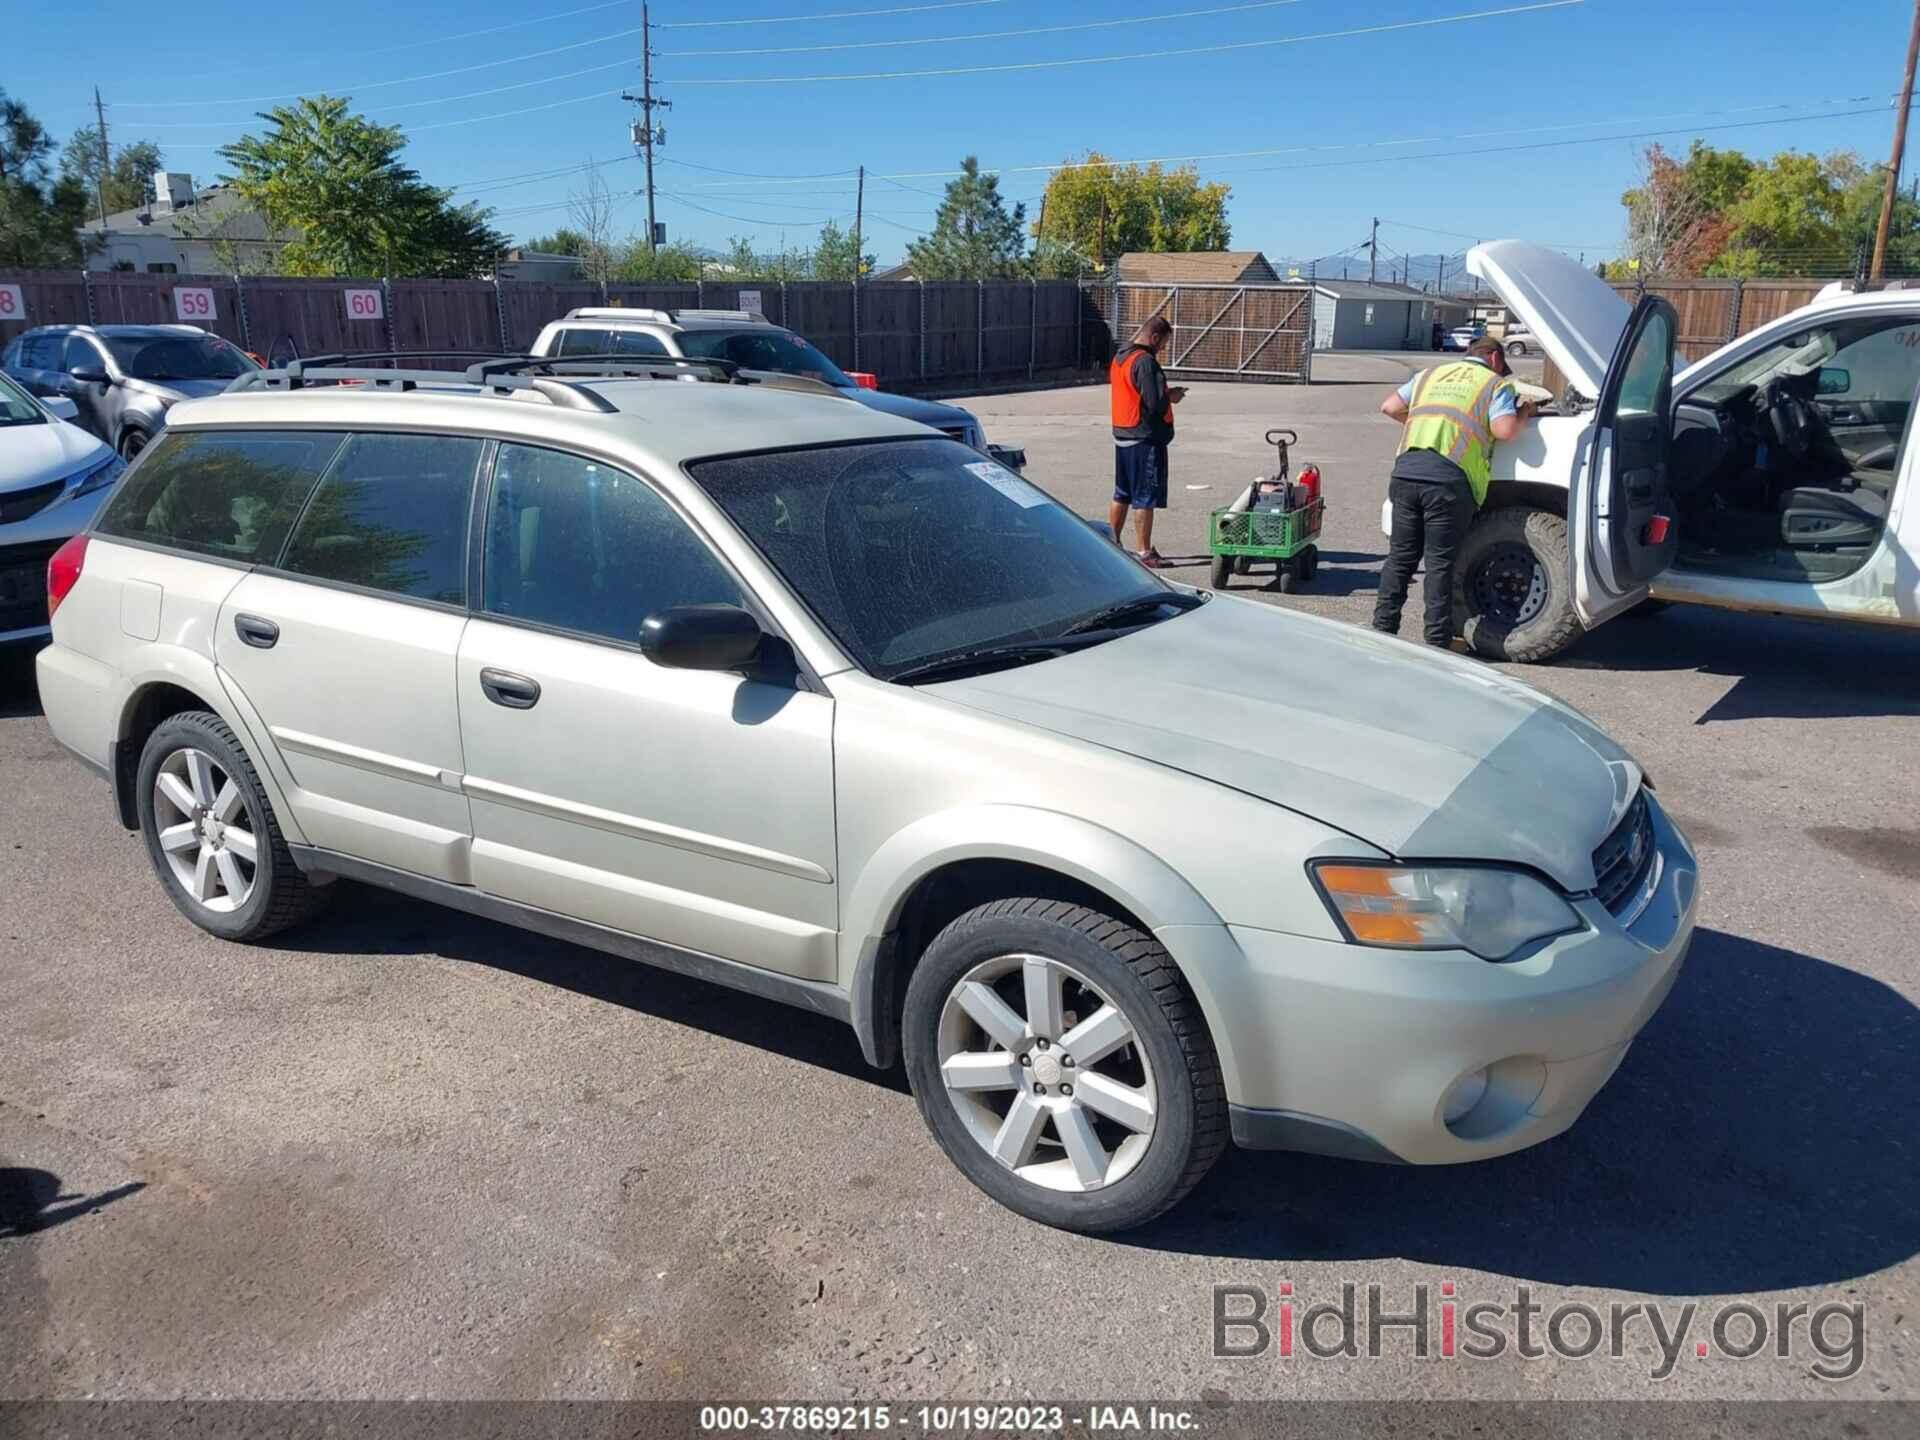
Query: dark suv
pixel 123 379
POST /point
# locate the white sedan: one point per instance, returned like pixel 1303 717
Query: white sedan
pixel 53 476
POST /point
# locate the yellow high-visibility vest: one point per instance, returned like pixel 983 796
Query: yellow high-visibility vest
pixel 1452 415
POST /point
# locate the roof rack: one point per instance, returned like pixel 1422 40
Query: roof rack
pixel 299 374
pixel 619 312
pixel 751 315
pixel 659 367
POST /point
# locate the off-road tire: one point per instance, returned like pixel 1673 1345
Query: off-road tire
pixel 1552 630
pixel 1137 975
pixel 281 894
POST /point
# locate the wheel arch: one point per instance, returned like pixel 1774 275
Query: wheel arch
pixel 944 865
pixel 1525 495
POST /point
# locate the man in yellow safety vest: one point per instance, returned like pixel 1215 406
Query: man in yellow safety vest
pixel 1453 414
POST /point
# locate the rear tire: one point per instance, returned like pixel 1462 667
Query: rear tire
pixel 212 835
pixel 1222 571
pixel 1144 1054
pixel 1506 609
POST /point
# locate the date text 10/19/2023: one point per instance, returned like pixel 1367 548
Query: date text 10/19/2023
pixel 935 1419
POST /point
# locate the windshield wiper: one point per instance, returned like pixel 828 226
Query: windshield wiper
pixel 986 657
pixel 1140 607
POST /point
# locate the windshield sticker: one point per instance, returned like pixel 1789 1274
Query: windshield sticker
pixel 1008 484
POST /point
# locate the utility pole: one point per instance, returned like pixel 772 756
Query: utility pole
pixel 859 208
pixel 100 179
pixel 645 133
pixel 1440 280
pixel 1899 153
pixel 1373 242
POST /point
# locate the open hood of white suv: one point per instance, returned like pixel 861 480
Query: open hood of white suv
pixel 1573 313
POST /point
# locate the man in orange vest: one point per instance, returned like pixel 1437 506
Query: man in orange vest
pixel 1142 403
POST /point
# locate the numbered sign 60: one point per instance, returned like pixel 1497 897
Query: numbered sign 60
pixel 13 305
pixel 364 305
pixel 191 304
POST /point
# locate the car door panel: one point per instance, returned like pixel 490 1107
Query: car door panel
pixel 1620 515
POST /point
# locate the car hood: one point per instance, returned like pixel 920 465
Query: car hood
pixel 172 390
pixel 1573 313
pixel 33 455
pixel 1422 754
pixel 925 412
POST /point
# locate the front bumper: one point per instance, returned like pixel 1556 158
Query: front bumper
pixel 1346 1050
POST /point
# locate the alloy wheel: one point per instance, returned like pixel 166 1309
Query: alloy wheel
pixel 1047 1073
pixel 204 830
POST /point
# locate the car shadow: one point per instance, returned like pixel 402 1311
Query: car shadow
pixel 1758 1137
pixel 365 920
pixel 19 689
pixel 31 1201
pixel 1783 668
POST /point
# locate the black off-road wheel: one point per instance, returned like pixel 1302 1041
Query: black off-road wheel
pixel 1513 587
pixel 1062 1063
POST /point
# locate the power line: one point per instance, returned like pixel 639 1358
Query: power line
pixel 822 216
pixel 761 174
pixel 834 15
pixel 1145 54
pixel 981 35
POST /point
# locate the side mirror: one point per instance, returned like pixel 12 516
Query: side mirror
pixel 701 637
pixel 60 407
pixel 1832 380
pixel 89 374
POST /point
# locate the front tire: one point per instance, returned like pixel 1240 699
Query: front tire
pixel 212 835
pixel 1513 587
pixel 1063 1065
pixel 132 442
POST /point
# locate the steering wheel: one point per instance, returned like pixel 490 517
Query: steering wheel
pixel 1790 420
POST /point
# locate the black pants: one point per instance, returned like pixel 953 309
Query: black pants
pixel 1430 518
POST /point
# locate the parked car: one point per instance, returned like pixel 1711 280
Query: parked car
pixel 123 379
pixel 748 339
pixel 53 476
pixel 1519 342
pixel 1768 476
pixel 781 691
pixel 1461 336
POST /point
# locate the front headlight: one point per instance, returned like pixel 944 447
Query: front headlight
pixel 99 477
pixel 1489 911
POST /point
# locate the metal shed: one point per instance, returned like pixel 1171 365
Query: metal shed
pixel 1364 315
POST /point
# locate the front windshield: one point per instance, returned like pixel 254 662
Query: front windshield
pixel 912 550
pixel 764 347
pixel 1799 353
pixel 16 408
pixel 177 357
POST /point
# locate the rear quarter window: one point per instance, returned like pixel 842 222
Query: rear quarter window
pixel 228 494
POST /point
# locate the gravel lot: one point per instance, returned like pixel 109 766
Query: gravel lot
pixel 411 1154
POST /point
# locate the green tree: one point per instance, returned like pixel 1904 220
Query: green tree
pixel 837 257
pixel 1096 211
pixel 127 178
pixel 668 265
pixel 41 215
pixel 561 242
pixel 974 236
pixel 335 181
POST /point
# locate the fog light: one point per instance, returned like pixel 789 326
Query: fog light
pixel 1463 1095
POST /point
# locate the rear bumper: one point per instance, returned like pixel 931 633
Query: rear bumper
pixel 1344 1050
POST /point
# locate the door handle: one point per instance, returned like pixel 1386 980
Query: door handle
pixel 503 687
pixel 252 630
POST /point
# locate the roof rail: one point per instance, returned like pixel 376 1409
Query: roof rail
pixel 619 312
pixel 751 315
pixel 299 374
pixel 603 363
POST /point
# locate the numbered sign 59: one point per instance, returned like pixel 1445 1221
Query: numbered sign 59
pixel 13 305
pixel 364 305
pixel 192 304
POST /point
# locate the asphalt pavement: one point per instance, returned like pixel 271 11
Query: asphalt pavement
pixel 405 1153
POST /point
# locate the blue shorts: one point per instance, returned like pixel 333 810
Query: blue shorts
pixel 1140 476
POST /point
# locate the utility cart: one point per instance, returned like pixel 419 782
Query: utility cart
pixel 1276 518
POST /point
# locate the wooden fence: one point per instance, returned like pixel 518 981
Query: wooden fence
pixel 1712 312
pixel 940 334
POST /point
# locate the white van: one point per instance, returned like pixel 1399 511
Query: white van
pixel 1776 474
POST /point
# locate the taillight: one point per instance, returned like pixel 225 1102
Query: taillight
pixel 63 571
pixel 865 379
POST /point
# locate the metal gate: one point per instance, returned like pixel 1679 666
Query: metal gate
pixel 1245 332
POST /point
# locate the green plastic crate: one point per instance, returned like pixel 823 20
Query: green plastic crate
pixel 1268 534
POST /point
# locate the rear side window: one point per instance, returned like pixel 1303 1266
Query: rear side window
pixel 609 342
pixel 41 352
pixel 581 342
pixel 575 544
pixel 391 514
pixel 231 494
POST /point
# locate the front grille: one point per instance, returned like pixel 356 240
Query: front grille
pixel 1622 861
pixel 19 504
pixel 23 584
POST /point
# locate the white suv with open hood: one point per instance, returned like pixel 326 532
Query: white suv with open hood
pixel 1772 475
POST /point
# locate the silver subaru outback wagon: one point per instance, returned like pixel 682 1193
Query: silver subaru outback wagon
pixel 792 695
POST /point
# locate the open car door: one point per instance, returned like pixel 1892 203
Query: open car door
pixel 1620 515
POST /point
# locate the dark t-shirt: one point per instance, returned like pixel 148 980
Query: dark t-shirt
pixel 1429 466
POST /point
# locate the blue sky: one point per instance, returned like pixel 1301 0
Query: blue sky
pixel 1409 121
